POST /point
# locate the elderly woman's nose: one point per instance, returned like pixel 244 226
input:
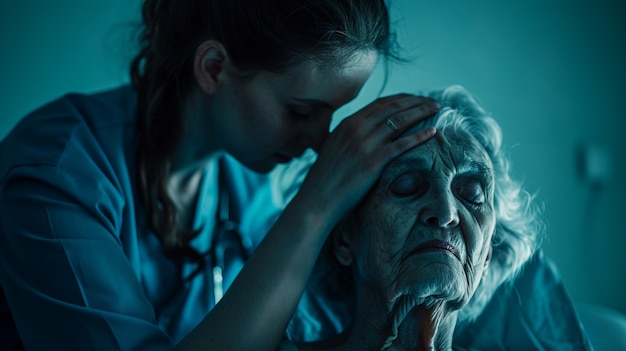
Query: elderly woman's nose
pixel 439 210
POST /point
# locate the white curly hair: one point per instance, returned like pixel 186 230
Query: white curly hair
pixel 518 233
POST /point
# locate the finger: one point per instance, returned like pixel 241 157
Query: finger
pixel 406 143
pixel 371 120
pixel 401 121
pixel 384 108
pixel 386 119
pixel 404 96
pixel 381 108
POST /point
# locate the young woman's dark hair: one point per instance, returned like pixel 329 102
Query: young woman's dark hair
pixel 258 35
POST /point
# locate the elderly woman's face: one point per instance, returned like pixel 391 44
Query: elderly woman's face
pixel 425 229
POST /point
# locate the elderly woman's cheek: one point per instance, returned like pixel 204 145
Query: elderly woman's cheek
pixel 478 266
pixel 478 229
pixel 382 238
pixel 487 228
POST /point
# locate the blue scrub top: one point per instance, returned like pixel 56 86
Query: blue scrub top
pixel 79 268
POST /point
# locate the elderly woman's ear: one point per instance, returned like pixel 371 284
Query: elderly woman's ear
pixel 341 245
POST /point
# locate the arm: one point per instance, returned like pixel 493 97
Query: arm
pixel 256 309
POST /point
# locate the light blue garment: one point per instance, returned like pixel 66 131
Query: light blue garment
pixel 79 269
pixel 532 312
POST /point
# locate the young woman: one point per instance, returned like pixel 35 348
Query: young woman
pixel 127 214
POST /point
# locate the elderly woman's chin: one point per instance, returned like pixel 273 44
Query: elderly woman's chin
pixel 435 276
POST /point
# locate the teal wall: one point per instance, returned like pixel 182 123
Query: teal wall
pixel 552 72
pixel 48 48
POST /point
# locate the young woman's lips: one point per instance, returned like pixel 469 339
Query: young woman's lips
pixel 437 245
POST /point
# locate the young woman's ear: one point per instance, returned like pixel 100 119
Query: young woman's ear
pixel 209 64
pixel 342 246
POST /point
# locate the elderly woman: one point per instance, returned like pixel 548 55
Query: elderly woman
pixel 433 257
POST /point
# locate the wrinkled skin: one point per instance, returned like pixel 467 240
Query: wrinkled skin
pixel 424 233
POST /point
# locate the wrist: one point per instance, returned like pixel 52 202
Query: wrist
pixel 316 215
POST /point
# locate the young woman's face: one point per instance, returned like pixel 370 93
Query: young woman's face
pixel 272 118
pixel 426 228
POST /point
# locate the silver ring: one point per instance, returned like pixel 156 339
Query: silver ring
pixel 392 125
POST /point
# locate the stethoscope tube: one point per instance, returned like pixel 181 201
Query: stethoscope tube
pixel 226 229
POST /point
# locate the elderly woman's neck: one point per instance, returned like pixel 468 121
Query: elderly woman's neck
pixel 408 323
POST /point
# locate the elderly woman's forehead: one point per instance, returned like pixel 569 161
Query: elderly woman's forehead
pixel 457 144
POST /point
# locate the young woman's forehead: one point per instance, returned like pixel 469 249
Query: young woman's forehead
pixel 332 85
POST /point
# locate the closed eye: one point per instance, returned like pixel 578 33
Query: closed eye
pixel 409 184
pixel 471 190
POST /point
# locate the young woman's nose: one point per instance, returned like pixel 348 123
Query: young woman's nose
pixel 315 133
pixel 439 210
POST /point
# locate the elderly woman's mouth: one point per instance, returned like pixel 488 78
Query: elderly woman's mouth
pixel 437 245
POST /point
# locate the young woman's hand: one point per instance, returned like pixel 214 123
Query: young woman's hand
pixel 353 156
pixel 351 159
